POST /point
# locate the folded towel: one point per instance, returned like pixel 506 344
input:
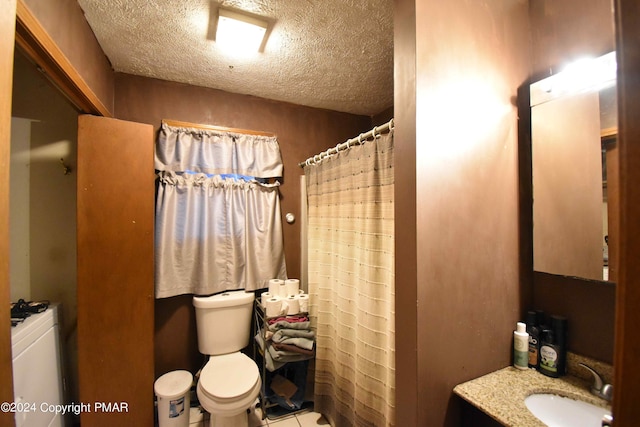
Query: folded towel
pixel 294 349
pixel 303 339
pixel 293 333
pixel 281 332
pixel 290 319
pixel 285 355
pixel 274 358
pixel 283 324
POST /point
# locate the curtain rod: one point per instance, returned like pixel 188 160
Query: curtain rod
pixel 176 123
pixel 360 139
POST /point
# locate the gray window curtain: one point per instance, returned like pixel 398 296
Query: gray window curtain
pixel 218 222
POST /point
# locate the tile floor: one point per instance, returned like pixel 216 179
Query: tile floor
pixel 301 419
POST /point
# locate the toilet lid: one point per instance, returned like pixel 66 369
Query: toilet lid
pixel 229 376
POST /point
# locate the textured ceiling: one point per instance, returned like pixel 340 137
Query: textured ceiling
pixel 333 54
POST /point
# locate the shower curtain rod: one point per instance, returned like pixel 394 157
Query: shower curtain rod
pixel 179 124
pixel 360 139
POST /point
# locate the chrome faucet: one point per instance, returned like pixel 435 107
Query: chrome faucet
pixel 599 388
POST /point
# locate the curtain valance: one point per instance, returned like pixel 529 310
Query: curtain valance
pixel 212 152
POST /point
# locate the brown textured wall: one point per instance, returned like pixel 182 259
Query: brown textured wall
pixel 7 32
pixel 382 117
pixel 64 21
pixel 562 30
pixel 405 213
pixel 301 132
pixel 471 58
pixel 588 307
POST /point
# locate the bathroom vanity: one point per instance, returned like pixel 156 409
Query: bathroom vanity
pixel 501 395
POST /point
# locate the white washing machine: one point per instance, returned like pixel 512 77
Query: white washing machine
pixel 37 370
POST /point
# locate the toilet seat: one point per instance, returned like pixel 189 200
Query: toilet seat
pixel 228 384
pixel 229 376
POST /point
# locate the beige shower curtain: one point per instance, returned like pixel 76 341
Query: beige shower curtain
pixel 351 283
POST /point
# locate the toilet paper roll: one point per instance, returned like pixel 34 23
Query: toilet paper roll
pixel 293 286
pixel 282 289
pixel 264 297
pixel 303 302
pixel 274 285
pixel 273 307
pixel 293 305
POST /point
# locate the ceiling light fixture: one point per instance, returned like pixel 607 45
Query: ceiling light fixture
pixel 240 31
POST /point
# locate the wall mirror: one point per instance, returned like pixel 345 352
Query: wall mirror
pixel 573 122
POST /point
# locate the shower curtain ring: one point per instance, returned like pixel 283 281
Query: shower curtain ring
pixel 360 139
pixel 373 132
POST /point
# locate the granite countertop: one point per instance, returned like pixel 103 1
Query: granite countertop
pixel 501 394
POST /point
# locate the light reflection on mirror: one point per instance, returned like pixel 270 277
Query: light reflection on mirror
pixel 582 75
pixel 573 117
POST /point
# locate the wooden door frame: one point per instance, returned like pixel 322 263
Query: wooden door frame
pixel 7 33
pixel 627 346
pixel 18 26
pixel 34 40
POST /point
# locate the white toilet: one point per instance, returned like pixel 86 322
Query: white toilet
pixel 230 381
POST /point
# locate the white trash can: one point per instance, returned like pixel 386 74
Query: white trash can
pixel 173 392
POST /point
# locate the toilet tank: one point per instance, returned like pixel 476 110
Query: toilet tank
pixel 223 322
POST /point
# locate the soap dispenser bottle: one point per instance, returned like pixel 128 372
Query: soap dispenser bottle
pixel 521 346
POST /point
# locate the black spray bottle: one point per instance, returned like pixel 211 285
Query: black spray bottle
pixel 534 339
pixel 553 348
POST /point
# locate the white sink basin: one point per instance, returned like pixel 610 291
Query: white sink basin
pixel 558 411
